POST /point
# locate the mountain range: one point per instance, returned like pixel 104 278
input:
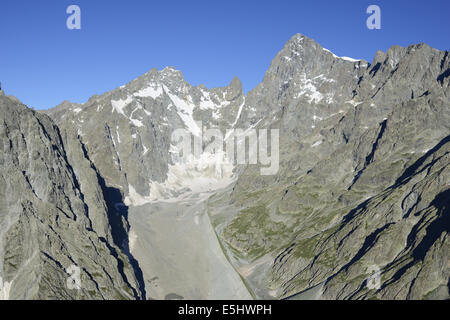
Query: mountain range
pixel 363 184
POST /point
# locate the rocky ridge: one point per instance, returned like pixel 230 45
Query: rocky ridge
pixel 53 216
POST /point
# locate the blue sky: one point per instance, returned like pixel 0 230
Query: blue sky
pixel 44 63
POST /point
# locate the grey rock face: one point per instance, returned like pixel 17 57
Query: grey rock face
pixel 352 171
pixel 53 216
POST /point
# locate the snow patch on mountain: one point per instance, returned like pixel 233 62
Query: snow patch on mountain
pixel 119 105
pixel 350 59
pixel 206 102
pixel 137 123
pixel 185 179
pixel 343 58
pixel 185 111
pixel 309 90
pixel 118 134
pixel 316 144
pixel 353 102
pixel 239 113
pixel 153 91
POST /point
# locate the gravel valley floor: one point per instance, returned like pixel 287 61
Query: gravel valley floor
pixel 179 253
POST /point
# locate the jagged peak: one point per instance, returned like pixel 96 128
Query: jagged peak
pixel 66 104
pixel 396 54
pixel 300 41
pixel 171 71
pixel 156 76
pixel 299 38
pixel 236 83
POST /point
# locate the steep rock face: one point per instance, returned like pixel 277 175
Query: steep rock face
pixel 374 220
pixel 53 216
pixel 351 153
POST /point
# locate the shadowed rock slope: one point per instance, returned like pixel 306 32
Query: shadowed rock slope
pixel 53 215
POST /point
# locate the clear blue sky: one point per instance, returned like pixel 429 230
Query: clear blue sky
pixel 44 63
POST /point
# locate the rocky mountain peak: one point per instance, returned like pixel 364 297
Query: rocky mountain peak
pixel 235 88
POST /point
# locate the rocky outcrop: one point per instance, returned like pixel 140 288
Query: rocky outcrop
pixel 53 217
